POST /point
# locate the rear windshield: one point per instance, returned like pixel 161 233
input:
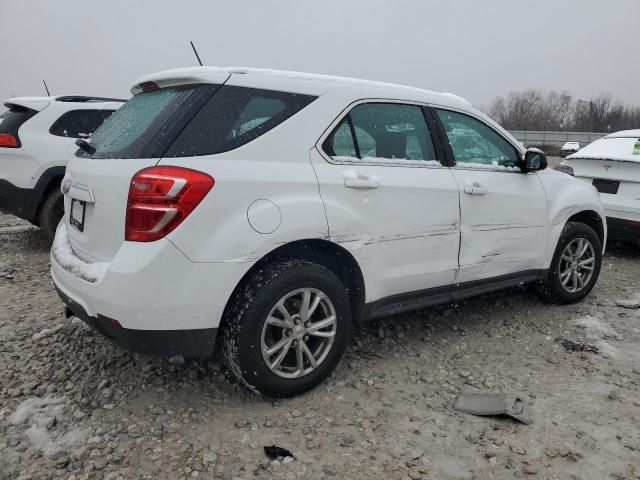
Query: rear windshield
pixel 12 119
pixel 139 128
pixel 192 120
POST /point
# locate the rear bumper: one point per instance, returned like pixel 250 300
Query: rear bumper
pixel 163 303
pixel 196 343
pixel 623 229
pixel 21 202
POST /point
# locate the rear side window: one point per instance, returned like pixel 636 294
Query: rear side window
pixel 12 119
pixel 233 117
pixel 79 123
pixel 388 131
pixel 475 143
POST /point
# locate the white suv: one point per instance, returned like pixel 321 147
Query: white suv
pixel 276 209
pixel 37 136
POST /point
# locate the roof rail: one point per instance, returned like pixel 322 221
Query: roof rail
pixel 84 99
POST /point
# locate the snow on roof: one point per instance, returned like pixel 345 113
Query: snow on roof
pixel 625 134
pixel 619 146
pixel 330 81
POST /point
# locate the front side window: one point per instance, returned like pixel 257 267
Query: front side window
pixel 382 131
pixel 79 123
pixel 475 143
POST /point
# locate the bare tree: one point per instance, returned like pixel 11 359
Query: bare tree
pixel 552 111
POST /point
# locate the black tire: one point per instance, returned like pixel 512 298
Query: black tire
pixel 51 213
pixel 551 289
pixel 247 313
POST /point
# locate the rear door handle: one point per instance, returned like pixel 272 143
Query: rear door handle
pixel 361 181
pixel 475 189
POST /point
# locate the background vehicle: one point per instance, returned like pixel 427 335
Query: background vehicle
pixel 570 147
pixel 277 208
pixel 612 165
pixel 37 138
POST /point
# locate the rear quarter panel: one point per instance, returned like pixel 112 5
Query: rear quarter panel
pixel 275 167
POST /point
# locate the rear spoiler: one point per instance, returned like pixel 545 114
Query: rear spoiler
pixel 32 103
pixel 182 76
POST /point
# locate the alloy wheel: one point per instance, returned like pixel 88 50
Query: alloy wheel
pixel 577 264
pixel 298 333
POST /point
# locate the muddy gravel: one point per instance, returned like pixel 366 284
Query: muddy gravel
pixel 75 406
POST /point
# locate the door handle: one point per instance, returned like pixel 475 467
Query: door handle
pixel 475 189
pixel 361 181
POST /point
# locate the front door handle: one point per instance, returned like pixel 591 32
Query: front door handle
pixel 361 181
pixel 475 189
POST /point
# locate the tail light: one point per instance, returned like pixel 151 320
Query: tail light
pixel 160 198
pixel 564 169
pixel 9 141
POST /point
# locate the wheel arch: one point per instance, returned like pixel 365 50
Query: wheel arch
pixel 592 219
pixel 48 182
pixel 323 252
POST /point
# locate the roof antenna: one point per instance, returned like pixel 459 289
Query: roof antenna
pixel 46 88
pixel 196 52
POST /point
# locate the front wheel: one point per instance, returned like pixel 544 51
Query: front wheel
pixel 575 266
pixel 287 327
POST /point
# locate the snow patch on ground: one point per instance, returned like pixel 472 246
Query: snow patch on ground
pixel 46 332
pixel 40 415
pixel 38 409
pixel 595 327
pixel 598 330
pixel 63 254
pixel 41 439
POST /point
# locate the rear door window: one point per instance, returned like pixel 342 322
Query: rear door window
pixel 79 123
pixel 233 117
pixel 382 131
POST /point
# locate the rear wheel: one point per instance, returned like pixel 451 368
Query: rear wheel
pixel 287 328
pixel 575 266
pixel 51 213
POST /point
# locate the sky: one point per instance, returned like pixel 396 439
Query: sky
pixel 474 48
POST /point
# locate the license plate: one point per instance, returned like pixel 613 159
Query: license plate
pixel 76 217
pixel 606 186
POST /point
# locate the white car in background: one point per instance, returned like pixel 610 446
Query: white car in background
pixel 612 165
pixel 276 209
pixel 569 147
pixel 37 139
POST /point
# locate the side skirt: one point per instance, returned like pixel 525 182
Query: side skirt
pixel 456 292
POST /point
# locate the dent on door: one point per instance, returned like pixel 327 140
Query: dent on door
pixel 401 224
pixel 503 224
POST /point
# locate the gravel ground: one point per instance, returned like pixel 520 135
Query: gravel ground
pixel 75 406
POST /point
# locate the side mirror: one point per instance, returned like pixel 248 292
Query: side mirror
pixel 534 160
